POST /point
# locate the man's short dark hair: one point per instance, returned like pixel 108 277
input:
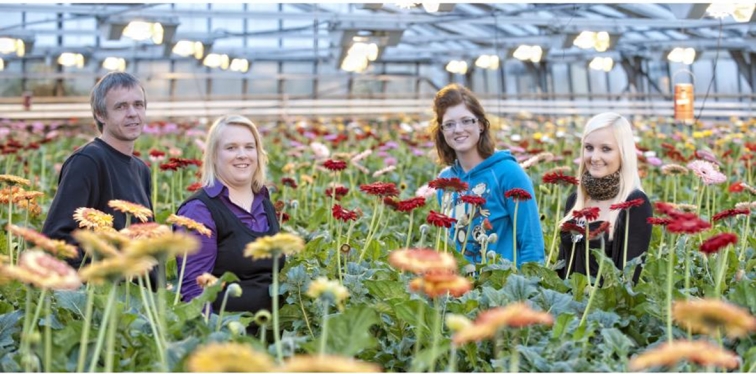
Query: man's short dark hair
pixel 100 91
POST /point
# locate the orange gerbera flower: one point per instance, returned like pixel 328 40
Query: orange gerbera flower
pixel 420 261
pixel 707 316
pixel 327 364
pixel 206 280
pixel 490 321
pixel 145 230
pixel 142 213
pixel 700 352
pixel 54 247
pixel 13 180
pixel 227 358
pixel 91 218
pixel 434 285
pixel 189 224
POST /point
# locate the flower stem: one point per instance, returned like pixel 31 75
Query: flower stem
pixel 338 251
pixel 556 230
pixel 180 280
pixel 112 330
pixel 670 275
pixel 587 255
pixel 436 334
pixel 418 336
pixel 103 328
pixel 514 235
pixel 593 291
pixel 721 270
pixel 514 360
pixel 572 257
pixel 222 310
pixel 409 234
pixel 744 238
pixel 452 359
pixel 324 329
pixel 48 335
pixel 151 319
pixel 304 312
pixel 627 233
pixel 276 332
pixel 84 342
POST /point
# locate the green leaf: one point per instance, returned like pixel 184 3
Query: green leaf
pixel 193 309
pixel 560 326
pixel 176 351
pixel 744 293
pixel 616 342
pixel 555 302
pixel 520 289
pixel 349 332
pixel 8 327
pixel 578 282
pixel 386 289
pixel 74 301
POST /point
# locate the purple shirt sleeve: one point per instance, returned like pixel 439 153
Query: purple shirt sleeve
pixel 202 261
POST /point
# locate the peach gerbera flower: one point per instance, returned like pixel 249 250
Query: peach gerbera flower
pixel 13 180
pixel 420 261
pixel 113 269
pixel 707 316
pixel 90 218
pixel 327 364
pixel 189 224
pixel 168 245
pixel 95 244
pixel 52 246
pixel 44 271
pixel 145 230
pixel 141 212
pixel 434 285
pixel 490 321
pixel 700 352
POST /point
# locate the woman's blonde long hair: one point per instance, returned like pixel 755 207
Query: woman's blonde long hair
pixel 209 174
pixel 629 179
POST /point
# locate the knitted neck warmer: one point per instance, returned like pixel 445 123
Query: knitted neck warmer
pixel 603 188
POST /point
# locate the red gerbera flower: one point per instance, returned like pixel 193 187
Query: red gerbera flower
pixel 340 192
pixel 440 220
pixel 627 204
pixel 663 208
pixel 572 228
pixel 559 178
pixel 335 165
pixel 730 213
pixel 603 226
pixel 169 166
pixel 380 189
pixel 518 194
pixel 194 187
pixel 736 187
pixel 686 223
pixel 343 214
pixel 659 221
pixel 410 204
pixel 590 214
pixel 156 153
pixel 448 184
pixel 717 242
pixel 487 224
pixel 473 199
pixel 289 182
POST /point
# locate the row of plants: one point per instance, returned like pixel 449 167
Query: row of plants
pixel 353 197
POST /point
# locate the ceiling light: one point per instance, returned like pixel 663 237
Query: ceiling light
pixel 2 64
pixel 71 59
pixel 187 48
pixel 405 4
pixel 215 60
pixel 141 30
pixel 743 12
pixel 600 41
pixel 684 55
pixel 487 62
pixel 431 6
pixel 239 64
pixel 114 64
pixel 532 53
pixel 602 63
pixel 457 67
pixel 12 45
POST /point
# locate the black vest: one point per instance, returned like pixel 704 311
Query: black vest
pixel 255 276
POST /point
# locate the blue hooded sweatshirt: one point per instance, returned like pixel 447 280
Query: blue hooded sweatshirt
pixel 490 179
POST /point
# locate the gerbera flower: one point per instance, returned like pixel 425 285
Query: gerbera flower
pixel 708 172
pixel 518 194
pixel 140 212
pixel 145 230
pixel 91 218
pixel 380 189
pixel 189 224
pixel 43 271
pixel 603 227
pixel 699 352
pixel 448 184
pixel 541 157
pixel 627 204
pixel 228 357
pixel 342 214
pixel 686 223
pixel 273 246
pixel 674 169
pixel 329 289
pixel 730 213
pixel 194 187
pixel 52 246
pixel 326 364
pixel 490 321
pixel 746 205
pixel 717 242
pixel 457 322
pixel 206 280
pixel 410 204
pixel 420 261
pixel 659 221
pixel 473 200
pixel 590 214
pixel 736 187
pixel 335 165
pixel 13 180
pixel 559 178
pixel 707 316
pixel 440 220
pixel 663 208
pixel 286 181
pixel 573 228
pixel 453 285
pixel 385 170
pixel 113 269
pixel 336 192
pixel 686 207
pixel 166 245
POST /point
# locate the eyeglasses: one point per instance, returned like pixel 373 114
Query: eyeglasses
pixel 449 126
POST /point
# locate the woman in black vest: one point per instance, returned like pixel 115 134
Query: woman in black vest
pixel 235 205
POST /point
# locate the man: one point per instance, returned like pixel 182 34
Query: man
pixel 105 168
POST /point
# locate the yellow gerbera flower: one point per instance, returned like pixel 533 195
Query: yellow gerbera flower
pixel 274 246
pixel 95 244
pixel 140 212
pixel 707 316
pixel 457 322
pixel 91 218
pixel 145 230
pixel 54 247
pixel 228 358
pixel 327 364
pixel 700 352
pixel 168 245
pixel 13 180
pixel 189 224
pixel 331 289
pixel 114 269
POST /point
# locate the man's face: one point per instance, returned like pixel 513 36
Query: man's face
pixel 125 114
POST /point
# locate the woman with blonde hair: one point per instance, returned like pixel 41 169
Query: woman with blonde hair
pixel 235 205
pixel 609 181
